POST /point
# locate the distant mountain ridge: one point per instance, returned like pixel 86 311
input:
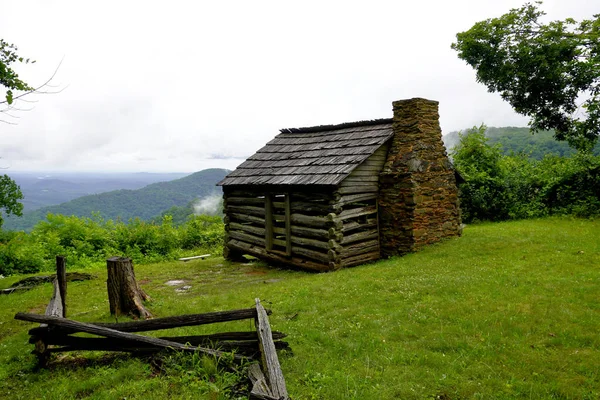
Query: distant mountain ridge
pixel 42 189
pixel 520 140
pixel 144 203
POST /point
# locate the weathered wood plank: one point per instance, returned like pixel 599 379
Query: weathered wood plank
pixel 185 259
pixel 288 225
pixel 268 222
pixel 61 276
pixel 173 322
pixel 260 388
pixel 270 362
pixel 111 333
pixel 54 307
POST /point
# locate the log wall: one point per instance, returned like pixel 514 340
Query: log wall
pixel 358 205
pixel 285 227
pixel 319 230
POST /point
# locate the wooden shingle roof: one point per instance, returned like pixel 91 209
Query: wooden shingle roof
pixel 320 155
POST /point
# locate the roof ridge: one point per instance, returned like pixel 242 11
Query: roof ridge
pixel 323 128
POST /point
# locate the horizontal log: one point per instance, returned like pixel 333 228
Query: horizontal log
pixel 309 242
pixel 355 198
pixel 234 226
pixel 75 343
pixel 304 232
pixel 16 289
pixel 260 201
pixel 358 212
pixel 39 279
pixel 351 226
pixel 360 248
pixel 244 237
pixel 249 210
pixel 246 218
pixel 313 222
pixel 352 189
pixel 361 259
pixel 227 192
pixel 360 236
pixel 315 208
pixel 367 179
pixel 276 257
pixel 57 337
pixel 111 333
pixel 172 322
pixel 312 254
pixel 311 196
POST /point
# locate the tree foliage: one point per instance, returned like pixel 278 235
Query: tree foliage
pixel 548 72
pixel 8 77
pixel 499 187
pixel 10 194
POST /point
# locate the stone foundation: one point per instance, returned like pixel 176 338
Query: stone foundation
pixel 418 194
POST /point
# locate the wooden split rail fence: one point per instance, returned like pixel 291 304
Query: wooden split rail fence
pixel 56 334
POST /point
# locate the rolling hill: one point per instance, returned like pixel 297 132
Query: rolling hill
pixel 41 189
pixel 144 203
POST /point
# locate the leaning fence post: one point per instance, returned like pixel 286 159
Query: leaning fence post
pixel 61 276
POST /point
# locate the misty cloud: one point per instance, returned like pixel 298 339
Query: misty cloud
pixel 210 205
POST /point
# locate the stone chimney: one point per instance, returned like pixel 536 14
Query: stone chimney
pixel 418 194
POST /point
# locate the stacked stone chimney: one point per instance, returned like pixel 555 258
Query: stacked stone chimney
pixel 418 194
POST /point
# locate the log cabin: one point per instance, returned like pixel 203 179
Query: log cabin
pixel 329 197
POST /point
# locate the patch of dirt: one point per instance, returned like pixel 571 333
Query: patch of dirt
pixel 255 272
pixel 37 309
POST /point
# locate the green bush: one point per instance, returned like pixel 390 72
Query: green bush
pixel 500 187
pixel 85 241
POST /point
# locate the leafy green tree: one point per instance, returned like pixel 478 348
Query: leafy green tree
pixel 10 194
pixel 8 77
pixel 543 70
pixel 483 194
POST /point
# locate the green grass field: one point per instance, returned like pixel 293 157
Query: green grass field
pixel 509 310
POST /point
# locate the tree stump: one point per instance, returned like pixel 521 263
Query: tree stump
pixel 124 294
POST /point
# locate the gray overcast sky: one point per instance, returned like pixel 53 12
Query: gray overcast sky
pixel 188 85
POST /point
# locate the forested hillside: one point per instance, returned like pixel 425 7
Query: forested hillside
pixel 520 140
pixel 144 203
